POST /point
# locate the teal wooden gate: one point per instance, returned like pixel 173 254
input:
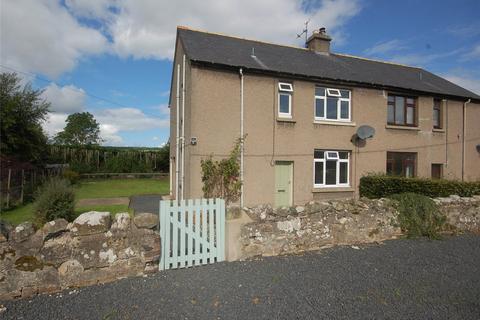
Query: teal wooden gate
pixel 192 232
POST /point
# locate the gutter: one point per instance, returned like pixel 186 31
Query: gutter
pixel 183 130
pixel 242 198
pixel 177 140
pixel 464 135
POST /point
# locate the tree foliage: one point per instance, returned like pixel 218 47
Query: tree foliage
pixel 221 179
pixel 81 130
pixel 22 111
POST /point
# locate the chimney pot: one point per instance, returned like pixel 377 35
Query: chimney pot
pixel 319 41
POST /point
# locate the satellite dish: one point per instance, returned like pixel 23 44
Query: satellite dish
pixel 478 148
pixel 365 132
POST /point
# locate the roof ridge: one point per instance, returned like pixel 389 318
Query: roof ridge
pixel 293 47
pixel 240 38
pixel 376 60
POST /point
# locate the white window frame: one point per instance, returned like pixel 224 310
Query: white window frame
pixel 285 88
pixel 328 92
pixel 338 160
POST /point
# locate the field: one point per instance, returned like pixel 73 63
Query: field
pixel 93 189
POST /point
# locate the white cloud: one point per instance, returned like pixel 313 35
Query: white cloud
pixel 418 59
pixel 54 123
pixel 67 99
pixel 129 119
pixel 468 82
pixel 385 47
pixel 41 36
pixel 473 54
pixel 146 28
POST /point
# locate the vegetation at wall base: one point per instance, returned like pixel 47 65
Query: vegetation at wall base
pixel 221 179
pixel 380 186
pixel 55 199
pixel 419 215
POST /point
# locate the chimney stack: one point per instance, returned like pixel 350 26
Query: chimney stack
pixel 319 41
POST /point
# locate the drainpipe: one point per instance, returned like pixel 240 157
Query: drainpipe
pixel 241 141
pixel 445 108
pixel 170 174
pixel 183 130
pixel 464 135
pixel 177 162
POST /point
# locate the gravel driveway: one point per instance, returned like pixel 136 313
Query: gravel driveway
pixel 400 279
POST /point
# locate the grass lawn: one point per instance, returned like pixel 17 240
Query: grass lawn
pixel 111 188
pixel 91 189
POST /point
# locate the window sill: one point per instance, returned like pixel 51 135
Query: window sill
pixel 438 130
pixel 289 120
pixel 332 189
pixel 335 123
pixel 389 126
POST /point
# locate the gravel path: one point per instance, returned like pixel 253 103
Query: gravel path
pixel 400 279
pixel 145 203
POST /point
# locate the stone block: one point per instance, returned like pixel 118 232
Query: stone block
pixel 57 250
pixel 22 232
pixel 146 220
pixel 92 222
pixel 54 228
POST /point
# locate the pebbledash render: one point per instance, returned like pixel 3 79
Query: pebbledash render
pixel 299 110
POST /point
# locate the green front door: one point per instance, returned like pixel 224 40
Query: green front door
pixel 283 183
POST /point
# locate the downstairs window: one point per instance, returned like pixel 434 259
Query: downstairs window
pixel 331 168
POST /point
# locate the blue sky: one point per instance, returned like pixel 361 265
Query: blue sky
pixel 113 57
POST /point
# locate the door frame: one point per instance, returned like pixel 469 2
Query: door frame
pixel 291 164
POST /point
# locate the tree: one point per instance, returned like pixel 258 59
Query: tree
pixel 81 130
pixel 22 111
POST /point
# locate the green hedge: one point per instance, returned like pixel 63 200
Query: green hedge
pixel 379 186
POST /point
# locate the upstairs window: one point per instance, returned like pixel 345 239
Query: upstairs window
pixel 437 114
pixel 332 104
pixel 401 111
pixel 285 91
pixel 401 164
pixel 331 168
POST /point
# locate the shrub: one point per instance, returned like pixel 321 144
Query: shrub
pixel 55 199
pixel 378 186
pixel 418 215
pixel 221 179
pixel 72 176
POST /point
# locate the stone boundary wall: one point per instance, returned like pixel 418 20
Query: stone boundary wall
pixel 319 225
pixel 93 249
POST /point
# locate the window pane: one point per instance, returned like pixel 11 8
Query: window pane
pixel 333 92
pixel 317 154
pixel 410 101
pixel 332 108
pixel 391 98
pixel 320 108
pixel 410 115
pixel 318 172
pixel 399 110
pixel 344 113
pixel 436 171
pixel 391 114
pixel 343 155
pixel 436 118
pixel 319 91
pixel 345 93
pixel 331 172
pixel 343 172
pixel 284 103
pixel 409 170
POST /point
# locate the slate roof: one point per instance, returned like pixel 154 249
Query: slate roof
pixel 236 52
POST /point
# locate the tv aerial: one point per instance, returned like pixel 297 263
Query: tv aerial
pixel 304 32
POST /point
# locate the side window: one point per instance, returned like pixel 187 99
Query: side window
pixel 332 104
pixel 285 91
pixel 437 114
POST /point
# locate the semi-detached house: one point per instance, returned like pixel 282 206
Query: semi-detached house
pixel 300 109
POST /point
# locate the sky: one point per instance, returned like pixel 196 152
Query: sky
pixel 113 58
